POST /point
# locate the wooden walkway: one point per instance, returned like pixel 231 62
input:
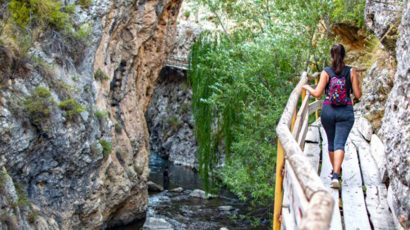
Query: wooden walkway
pixel 303 197
pixel 361 203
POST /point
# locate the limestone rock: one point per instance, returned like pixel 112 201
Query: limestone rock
pixel 201 194
pixel 226 208
pixel 383 18
pixel 153 223
pixel 89 172
pixel 364 128
pixel 170 119
pixel 376 87
pixel 153 187
pixel 377 150
pixel 395 129
pixel 177 190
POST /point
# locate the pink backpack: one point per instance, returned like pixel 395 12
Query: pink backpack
pixel 338 89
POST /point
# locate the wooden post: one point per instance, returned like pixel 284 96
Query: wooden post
pixel 278 187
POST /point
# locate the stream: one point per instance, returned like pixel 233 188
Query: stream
pixel 178 208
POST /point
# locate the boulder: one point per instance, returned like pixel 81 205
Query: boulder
pixel 153 187
pixel 201 194
pixel 153 223
pixel 365 128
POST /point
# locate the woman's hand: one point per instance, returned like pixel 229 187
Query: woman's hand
pixel 308 88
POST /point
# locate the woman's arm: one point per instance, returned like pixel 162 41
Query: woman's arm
pixel 320 86
pixel 357 92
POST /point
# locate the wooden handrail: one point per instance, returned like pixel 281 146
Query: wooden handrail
pixel 318 213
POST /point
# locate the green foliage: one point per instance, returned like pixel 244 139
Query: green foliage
pixel 100 75
pixel 70 8
pixel 85 3
pixel 174 122
pixel 39 105
pixel 107 147
pixel 185 108
pixel 187 14
pixel 101 115
pixel 44 12
pixel 118 128
pixel 71 107
pixel 83 33
pixel 350 11
pixel 22 199
pixel 241 82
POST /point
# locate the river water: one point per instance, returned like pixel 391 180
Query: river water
pixel 179 210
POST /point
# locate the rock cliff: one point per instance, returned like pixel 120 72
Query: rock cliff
pixel 82 161
pixel 170 119
pixel 390 21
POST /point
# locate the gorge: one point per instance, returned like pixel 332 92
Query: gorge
pixel 85 102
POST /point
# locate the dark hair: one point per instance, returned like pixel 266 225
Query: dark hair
pixel 338 54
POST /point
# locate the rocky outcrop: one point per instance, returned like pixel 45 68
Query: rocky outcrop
pixel 170 119
pixel 376 87
pixel 395 124
pixel 383 19
pixel 85 169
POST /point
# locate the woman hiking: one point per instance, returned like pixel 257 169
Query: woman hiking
pixel 337 117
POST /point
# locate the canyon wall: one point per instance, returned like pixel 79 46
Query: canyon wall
pixel 86 169
pixel 386 98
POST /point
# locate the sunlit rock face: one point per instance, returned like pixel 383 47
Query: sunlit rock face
pixel 390 21
pixel 89 171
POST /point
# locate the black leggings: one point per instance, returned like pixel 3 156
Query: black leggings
pixel 337 122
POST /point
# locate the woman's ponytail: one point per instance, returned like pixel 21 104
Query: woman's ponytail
pixel 338 54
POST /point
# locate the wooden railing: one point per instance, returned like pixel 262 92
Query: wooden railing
pixel 308 204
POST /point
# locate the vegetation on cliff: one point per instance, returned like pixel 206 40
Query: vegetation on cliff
pixel 241 79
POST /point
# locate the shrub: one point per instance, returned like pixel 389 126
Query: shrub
pixel 70 8
pixel 22 199
pixel 83 33
pixel 85 4
pixel 107 147
pixel 100 75
pixel 39 105
pixel 71 107
pixel 174 122
pixel 41 12
pixel 187 14
pixel 118 128
pixel 100 115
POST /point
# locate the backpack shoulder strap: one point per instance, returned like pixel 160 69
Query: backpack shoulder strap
pixel 330 72
pixel 347 75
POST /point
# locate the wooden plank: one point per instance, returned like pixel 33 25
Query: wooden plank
pixel 313 135
pixel 297 200
pixel 303 131
pixel 377 206
pixel 292 103
pixel 354 207
pixel 300 117
pixel 375 190
pixel 336 223
pixel 351 174
pixel 287 220
pixel 315 106
pixel 312 152
pixel 368 165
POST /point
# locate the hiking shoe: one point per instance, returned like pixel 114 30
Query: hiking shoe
pixel 335 183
